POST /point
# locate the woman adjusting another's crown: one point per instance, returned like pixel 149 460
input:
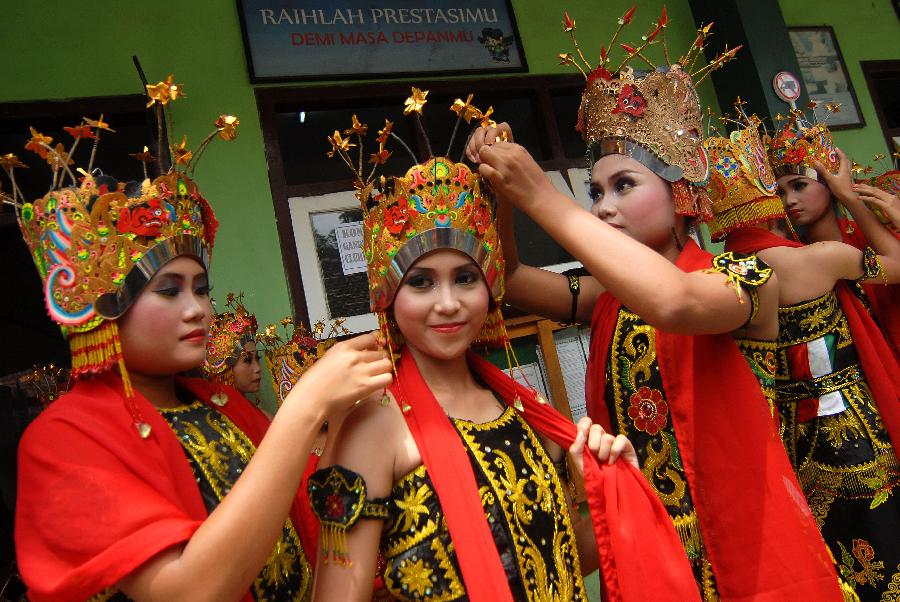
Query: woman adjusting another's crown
pixel 140 484
pixel 664 367
pixel 456 476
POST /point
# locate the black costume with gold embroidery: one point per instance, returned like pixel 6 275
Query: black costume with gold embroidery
pixel 838 445
pixel 524 504
pixel 219 452
pixel 638 409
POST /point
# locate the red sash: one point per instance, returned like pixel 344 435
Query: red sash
pixel 641 557
pixel 95 501
pixel 875 354
pixel 760 536
pixel 883 299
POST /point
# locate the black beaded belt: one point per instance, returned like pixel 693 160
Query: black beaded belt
pixel 817 387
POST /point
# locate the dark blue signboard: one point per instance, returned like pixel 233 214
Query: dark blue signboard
pixel 333 39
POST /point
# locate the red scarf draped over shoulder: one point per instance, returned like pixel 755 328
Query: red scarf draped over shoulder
pixel 95 501
pixel 875 354
pixel 761 538
pixel 884 299
pixel 641 557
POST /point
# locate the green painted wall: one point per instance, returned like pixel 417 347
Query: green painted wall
pixel 68 49
pixel 868 30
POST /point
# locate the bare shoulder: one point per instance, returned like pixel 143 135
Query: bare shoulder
pixel 367 440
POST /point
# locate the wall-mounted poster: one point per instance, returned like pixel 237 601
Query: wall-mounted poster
pixel 334 39
pixel 825 76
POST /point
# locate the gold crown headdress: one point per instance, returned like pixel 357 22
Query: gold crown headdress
pixel 96 241
pixel 798 144
pixel 288 358
pixel 741 184
pixel 229 331
pixel 436 204
pixel 653 117
pixel 888 180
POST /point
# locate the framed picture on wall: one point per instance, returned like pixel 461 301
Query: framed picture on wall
pixel 825 76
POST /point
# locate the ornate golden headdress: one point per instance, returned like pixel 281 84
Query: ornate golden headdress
pixel 96 241
pixel 798 144
pixel 229 331
pixel 288 358
pixel 741 184
pixel 437 204
pixel 653 117
pixel 888 180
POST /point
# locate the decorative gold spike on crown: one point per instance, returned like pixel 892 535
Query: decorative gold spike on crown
pixel 889 181
pixel 436 204
pixel 798 144
pixel 741 184
pixel 288 358
pixel 653 117
pixel 229 331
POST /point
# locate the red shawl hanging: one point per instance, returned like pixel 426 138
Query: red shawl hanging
pixel 641 557
pixel 875 354
pixel 95 501
pixel 884 299
pixel 761 538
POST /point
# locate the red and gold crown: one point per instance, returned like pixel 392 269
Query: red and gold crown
pixel 797 145
pixel 96 241
pixel 288 358
pixel 651 116
pixel 741 184
pixel 229 331
pixel 438 204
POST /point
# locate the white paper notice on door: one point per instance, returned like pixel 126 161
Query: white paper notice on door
pixel 573 361
pixel 350 246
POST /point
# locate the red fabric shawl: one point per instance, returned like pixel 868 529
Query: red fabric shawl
pixel 95 501
pixel 875 354
pixel 641 557
pixel 884 299
pixel 761 538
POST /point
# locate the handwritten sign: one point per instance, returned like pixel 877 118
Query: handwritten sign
pixel 350 246
pixel 294 39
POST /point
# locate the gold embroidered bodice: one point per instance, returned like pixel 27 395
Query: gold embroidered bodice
pixel 218 452
pixel 834 434
pixel 762 356
pixel 525 507
pixel 638 409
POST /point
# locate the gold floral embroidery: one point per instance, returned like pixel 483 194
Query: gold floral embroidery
pixel 416 577
pixel 892 593
pixel 863 553
pixel 220 451
pixel 658 468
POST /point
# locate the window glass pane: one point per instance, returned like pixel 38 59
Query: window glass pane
pixel 303 130
pixel 565 108
pixel 519 111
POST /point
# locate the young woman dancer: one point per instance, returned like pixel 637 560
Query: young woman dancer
pixel 138 483
pixel 837 383
pixel 814 179
pixel 231 354
pixel 463 493
pixel 664 318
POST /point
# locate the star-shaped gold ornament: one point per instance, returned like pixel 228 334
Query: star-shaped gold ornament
pixel 227 127
pixel 416 102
